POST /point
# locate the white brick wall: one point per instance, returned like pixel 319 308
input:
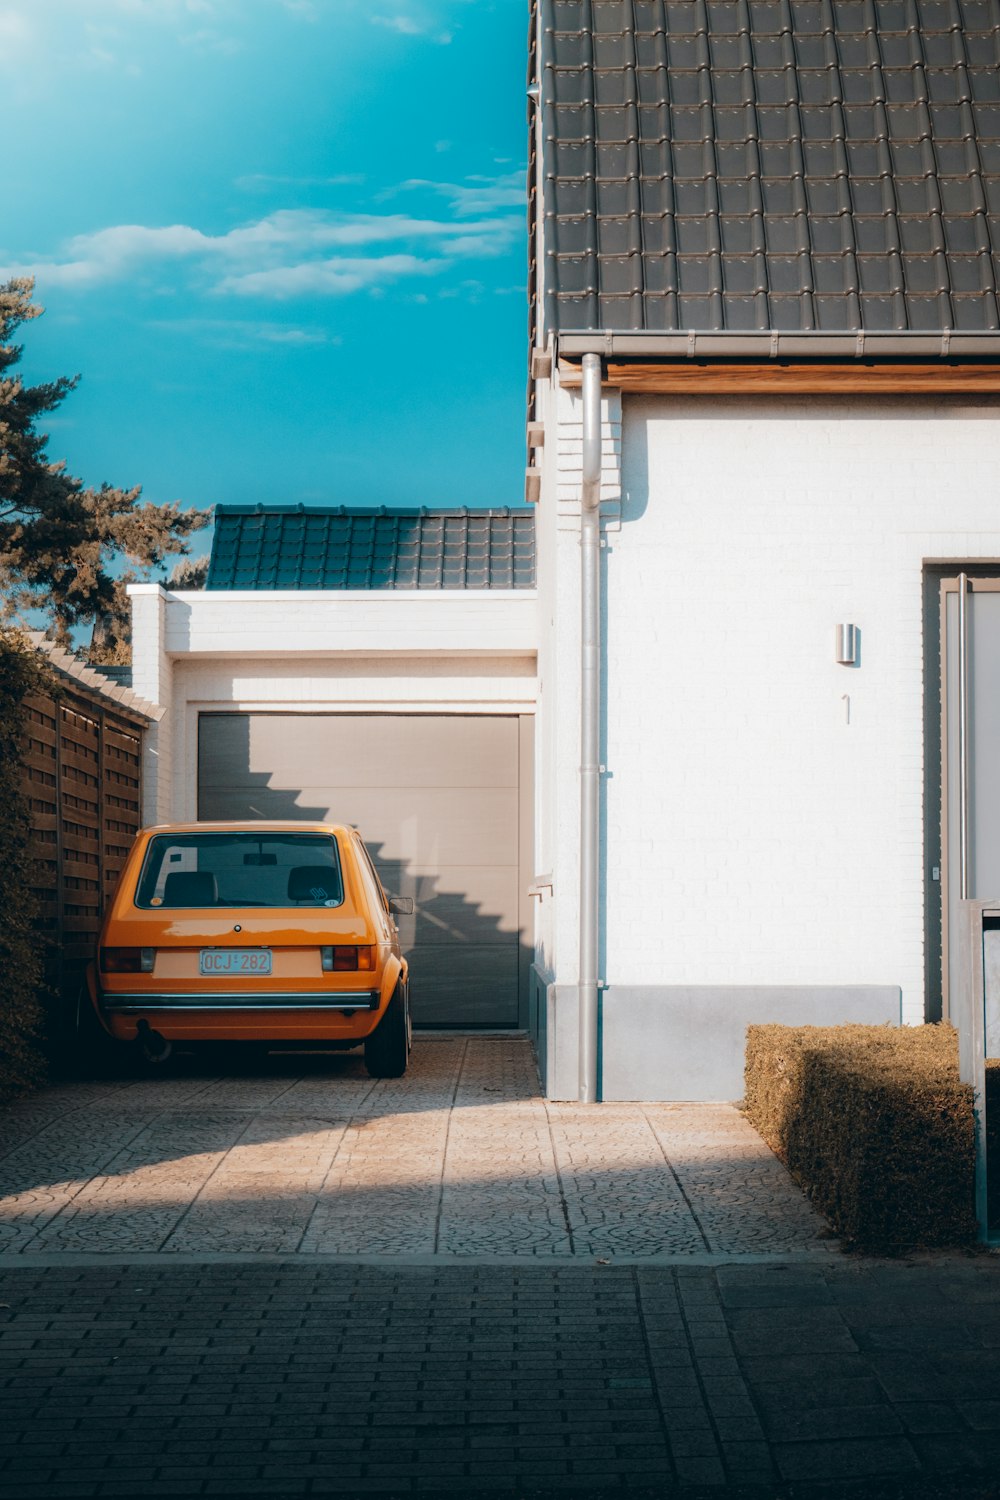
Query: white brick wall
pixel 753 835
pixel 569 458
pixel 275 623
pixel 152 679
pixel 557 755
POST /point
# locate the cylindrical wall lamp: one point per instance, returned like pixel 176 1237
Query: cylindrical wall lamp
pixel 847 645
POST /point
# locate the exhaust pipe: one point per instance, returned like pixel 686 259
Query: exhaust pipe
pixel 154 1047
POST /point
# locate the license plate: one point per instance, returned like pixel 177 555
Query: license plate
pixel 232 961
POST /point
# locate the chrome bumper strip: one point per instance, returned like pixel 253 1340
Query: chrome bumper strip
pixel 347 1000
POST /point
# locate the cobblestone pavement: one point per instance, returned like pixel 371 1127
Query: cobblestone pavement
pixel 462 1157
pixel 322 1378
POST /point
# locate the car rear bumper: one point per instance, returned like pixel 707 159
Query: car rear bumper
pixel 272 1017
pixel 347 1000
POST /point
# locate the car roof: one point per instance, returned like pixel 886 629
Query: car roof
pixel 250 826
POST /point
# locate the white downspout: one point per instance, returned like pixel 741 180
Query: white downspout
pixel 590 725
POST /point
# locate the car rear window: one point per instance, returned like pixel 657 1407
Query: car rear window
pixel 241 869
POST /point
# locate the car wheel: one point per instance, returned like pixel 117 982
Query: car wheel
pixel 387 1049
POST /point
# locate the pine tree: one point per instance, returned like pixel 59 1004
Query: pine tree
pixel 66 550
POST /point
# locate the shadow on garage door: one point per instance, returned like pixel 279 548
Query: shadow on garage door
pixel 444 803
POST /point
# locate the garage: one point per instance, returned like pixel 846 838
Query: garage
pixel 444 803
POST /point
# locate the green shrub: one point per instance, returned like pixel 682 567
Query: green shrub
pixel 874 1125
pixel 21 953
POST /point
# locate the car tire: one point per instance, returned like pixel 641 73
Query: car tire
pixel 387 1049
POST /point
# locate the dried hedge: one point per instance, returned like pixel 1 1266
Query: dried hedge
pixel 874 1125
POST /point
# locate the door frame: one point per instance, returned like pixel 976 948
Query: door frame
pixel 982 578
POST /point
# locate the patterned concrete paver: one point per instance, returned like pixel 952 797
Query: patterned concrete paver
pixel 462 1157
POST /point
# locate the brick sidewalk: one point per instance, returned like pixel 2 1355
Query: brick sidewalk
pixel 327 1379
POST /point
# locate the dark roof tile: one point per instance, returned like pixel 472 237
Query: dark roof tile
pixel 771 164
pixel 288 547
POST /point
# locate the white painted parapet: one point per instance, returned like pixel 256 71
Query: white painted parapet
pixel 263 623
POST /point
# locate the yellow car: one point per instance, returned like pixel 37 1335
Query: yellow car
pixel 273 932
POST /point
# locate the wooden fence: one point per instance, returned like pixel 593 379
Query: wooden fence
pixel 83 780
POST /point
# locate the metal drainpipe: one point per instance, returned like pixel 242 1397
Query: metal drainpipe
pixel 590 724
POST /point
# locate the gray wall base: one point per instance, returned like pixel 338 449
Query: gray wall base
pixel 685 1043
pixel 538 1009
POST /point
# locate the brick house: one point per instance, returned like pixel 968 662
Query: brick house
pixel 765 245
pixel 733 726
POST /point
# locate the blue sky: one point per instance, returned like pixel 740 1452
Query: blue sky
pixel 282 241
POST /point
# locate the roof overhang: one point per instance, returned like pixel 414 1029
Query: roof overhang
pixel 695 344
pixel 793 364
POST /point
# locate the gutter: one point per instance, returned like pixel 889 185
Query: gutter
pixel 590 727
pixel 761 345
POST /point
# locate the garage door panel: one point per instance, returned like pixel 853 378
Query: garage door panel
pixel 442 827
pixel 234 803
pixel 223 750
pixel 437 800
pixel 356 750
pixel 458 904
pixel 477 987
pixel 438 826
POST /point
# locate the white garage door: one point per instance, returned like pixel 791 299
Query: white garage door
pixel 443 803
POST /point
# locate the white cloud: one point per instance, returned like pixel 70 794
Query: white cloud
pixel 17 36
pixel 161 9
pixel 244 334
pixel 477 195
pixel 406 24
pixel 286 253
pixel 111 253
pixel 469 291
pixel 47 39
pixel 253 182
pixel 334 277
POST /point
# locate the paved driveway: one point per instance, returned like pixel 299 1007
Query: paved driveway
pixel 295 1282
pixel 462 1158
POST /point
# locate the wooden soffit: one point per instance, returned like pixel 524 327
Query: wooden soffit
pixel 795 378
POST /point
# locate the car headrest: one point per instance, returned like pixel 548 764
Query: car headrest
pixel 190 888
pixel 313 883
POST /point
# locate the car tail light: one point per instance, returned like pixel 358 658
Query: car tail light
pixel 337 959
pixel 128 960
